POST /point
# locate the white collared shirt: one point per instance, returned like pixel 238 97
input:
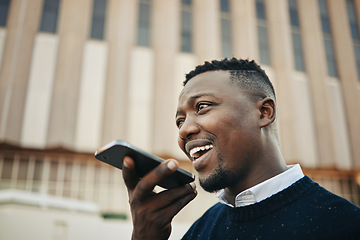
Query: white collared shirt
pixel 265 189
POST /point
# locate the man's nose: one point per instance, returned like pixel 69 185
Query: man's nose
pixel 188 128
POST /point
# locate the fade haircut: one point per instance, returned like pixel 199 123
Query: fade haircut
pixel 244 73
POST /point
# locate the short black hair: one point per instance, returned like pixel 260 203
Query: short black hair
pixel 246 74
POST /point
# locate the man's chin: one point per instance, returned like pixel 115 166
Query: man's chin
pixel 219 179
pixel 211 188
pixel 216 181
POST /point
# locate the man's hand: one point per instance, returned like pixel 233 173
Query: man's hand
pixel 152 212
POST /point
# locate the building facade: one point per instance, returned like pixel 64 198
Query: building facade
pixel 75 75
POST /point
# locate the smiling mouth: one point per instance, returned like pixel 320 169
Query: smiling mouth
pixel 197 152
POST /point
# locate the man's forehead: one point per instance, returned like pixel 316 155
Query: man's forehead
pixel 206 82
pixel 214 74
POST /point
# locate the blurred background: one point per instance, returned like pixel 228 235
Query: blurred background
pixel 77 74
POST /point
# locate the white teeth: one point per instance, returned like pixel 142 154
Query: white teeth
pixel 202 148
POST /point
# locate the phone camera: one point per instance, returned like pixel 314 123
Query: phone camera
pixel 105 158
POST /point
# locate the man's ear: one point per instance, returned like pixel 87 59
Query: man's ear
pixel 267 108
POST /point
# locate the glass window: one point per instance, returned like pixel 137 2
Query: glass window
pixel 82 181
pixel 330 57
pixel 353 20
pixel 298 52
pixel 296 36
pixel 262 33
pixel 225 5
pixel 53 177
pixel 143 37
pixel 226 38
pixel 186 26
pixel 4 9
pixel 68 171
pixel 49 16
pixel 263 44
pixel 294 18
pixel 7 168
pixel 328 42
pixel 23 169
pixel 53 170
pixel 260 9
pixel 354 28
pixel 357 56
pixel 226 29
pixel 67 179
pixel 37 177
pixel 82 176
pixel 38 170
pixel 98 19
pixel 325 24
pixel 22 173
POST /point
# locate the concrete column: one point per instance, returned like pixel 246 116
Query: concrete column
pixel 120 33
pixel 282 62
pixel 315 64
pixel 22 26
pixel 207 33
pixel 165 39
pixel 73 30
pixel 347 69
pixel 244 29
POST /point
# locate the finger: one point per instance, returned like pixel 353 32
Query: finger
pixel 150 180
pixel 174 208
pixel 168 197
pixel 165 205
pixel 129 174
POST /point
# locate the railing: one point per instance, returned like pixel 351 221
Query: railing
pixel 80 176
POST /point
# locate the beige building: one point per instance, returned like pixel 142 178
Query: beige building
pixel 75 75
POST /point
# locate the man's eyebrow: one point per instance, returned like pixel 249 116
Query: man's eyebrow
pixel 177 113
pixel 192 98
pixel 202 95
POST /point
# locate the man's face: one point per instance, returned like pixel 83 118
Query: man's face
pixel 218 129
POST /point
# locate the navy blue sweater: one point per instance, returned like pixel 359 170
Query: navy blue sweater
pixel 302 211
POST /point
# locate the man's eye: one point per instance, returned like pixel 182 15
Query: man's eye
pixel 201 106
pixel 179 122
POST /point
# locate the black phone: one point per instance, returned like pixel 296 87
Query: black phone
pixel 114 153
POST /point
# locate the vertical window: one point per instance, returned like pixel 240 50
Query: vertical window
pixel 22 174
pixel 68 179
pixel 98 19
pixel 4 9
pixel 82 181
pixel 50 16
pixel 7 168
pixel 262 33
pixel 37 177
pixel 54 165
pixel 296 36
pixel 328 42
pixel 23 169
pixel 354 28
pixel 143 36
pixel 226 28
pixel 186 26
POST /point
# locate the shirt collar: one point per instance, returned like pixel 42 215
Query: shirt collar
pixel 265 189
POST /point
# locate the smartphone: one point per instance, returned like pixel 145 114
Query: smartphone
pixel 114 153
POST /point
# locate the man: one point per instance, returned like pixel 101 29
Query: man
pixel 227 127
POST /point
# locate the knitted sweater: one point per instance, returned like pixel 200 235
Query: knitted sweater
pixel 302 211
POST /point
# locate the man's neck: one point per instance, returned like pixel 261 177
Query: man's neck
pixel 257 176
